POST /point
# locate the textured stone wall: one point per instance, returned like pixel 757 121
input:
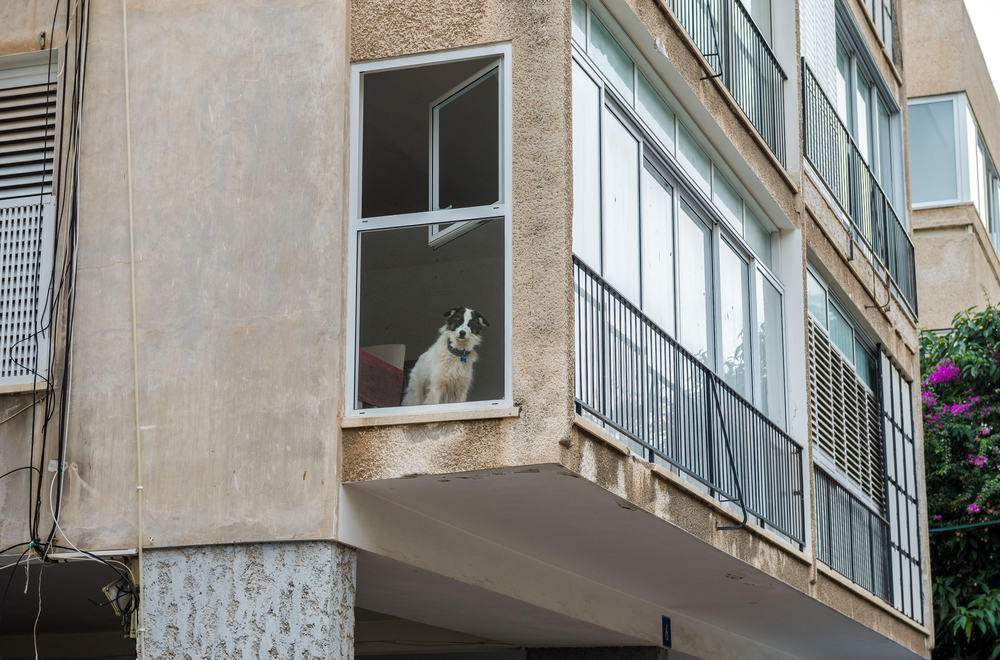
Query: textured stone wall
pixel 262 600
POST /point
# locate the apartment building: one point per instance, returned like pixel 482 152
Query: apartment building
pixel 234 228
pixel 955 129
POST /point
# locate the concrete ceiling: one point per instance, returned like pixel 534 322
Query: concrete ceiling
pixel 551 514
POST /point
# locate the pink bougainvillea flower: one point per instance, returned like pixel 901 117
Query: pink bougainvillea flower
pixel 974 508
pixel 945 372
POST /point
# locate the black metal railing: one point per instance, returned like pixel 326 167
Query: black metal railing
pixel 851 538
pixel 833 153
pixel 726 34
pixel 636 380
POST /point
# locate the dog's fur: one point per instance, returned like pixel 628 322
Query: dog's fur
pixel 440 376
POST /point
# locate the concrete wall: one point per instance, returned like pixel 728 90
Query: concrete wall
pixel 238 170
pixel 278 600
pixel 957 266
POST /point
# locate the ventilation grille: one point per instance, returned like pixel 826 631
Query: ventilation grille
pixel 844 416
pixel 27 140
pixel 25 272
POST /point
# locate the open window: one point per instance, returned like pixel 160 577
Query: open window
pixel 430 232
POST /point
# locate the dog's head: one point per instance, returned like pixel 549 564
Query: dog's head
pixel 464 327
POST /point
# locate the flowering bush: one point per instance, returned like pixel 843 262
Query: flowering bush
pixel 960 395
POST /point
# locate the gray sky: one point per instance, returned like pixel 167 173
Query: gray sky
pixel 986 19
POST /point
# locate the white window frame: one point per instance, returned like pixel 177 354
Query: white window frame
pixel 961 164
pixel 357 225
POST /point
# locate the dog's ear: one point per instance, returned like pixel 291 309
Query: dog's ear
pixel 451 311
pixel 482 319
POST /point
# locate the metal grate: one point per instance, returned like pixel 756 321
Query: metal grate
pixel 874 223
pixel 844 416
pixel 27 140
pixel 729 39
pixel 636 380
pixel 851 538
pixel 26 226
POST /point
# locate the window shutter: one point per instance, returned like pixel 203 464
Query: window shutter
pixel 27 140
pixel 844 419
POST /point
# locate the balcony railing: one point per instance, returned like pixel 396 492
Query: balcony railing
pixel 851 538
pixel 833 152
pixel 639 382
pixel 727 36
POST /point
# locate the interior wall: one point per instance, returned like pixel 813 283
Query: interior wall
pixel 406 287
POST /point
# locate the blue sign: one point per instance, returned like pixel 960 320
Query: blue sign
pixel 666 631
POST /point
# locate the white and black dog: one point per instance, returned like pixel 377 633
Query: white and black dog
pixel 443 373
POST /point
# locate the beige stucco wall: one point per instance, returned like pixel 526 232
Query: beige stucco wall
pixel 957 266
pixel 238 170
pixel 943 56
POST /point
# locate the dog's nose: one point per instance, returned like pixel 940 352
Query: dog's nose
pixel 461 333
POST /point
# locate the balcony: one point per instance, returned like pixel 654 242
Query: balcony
pixel 633 378
pixel 851 538
pixel 728 38
pixel 874 223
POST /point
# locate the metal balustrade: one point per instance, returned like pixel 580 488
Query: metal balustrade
pixel 851 538
pixel 831 150
pixel 728 38
pixel 638 381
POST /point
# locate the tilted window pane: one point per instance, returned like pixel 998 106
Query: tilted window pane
pixel 586 168
pixel 864 364
pixel 655 113
pixel 694 291
pixel 734 306
pixel 771 371
pixel 621 207
pixel 862 130
pixel 933 170
pixel 817 299
pixel 885 150
pixel 841 333
pixel 657 250
pixel 610 58
pixel 580 22
pixel 695 161
pixel 843 84
pixel 728 201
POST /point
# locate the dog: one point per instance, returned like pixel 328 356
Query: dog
pixel 443 373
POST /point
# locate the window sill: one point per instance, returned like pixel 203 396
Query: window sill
pixel 23 388
pixel 353 420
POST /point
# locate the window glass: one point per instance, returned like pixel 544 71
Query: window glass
pixel 843 84
pixel 771 372
pixel 728 201
pixel 610 58
pixel 841 333
pixel 817 299
pixel 465 166
pixel 734 308
pixel 657 249
pixel 453 106
pixel 655 113
pixel 760 12
pixel 864 364
pixel 694 160
pixel 885 149
pixel 694 291
pixel 933 171
pixel 405 287
pixel 758 237
pixel 580 22
pixel 586 168
pixel 621 207
pixel 862 130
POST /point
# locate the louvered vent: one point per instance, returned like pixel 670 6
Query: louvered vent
pixel 27 140
pixel 25 272
pixel 844 416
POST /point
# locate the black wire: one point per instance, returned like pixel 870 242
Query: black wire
pixel 24 467
pixel 16 545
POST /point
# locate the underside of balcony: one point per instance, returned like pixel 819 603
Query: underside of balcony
pixel 578 565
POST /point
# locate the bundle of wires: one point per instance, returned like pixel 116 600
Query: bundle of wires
pixel 54 317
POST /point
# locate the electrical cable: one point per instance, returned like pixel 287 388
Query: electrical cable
pixel 985 523
pixel 23 467
pixel 34 629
